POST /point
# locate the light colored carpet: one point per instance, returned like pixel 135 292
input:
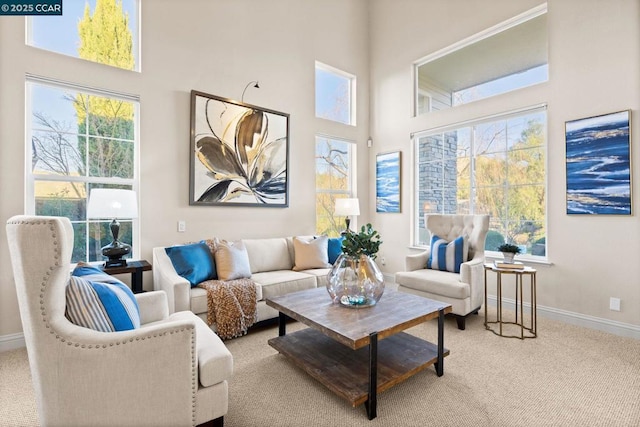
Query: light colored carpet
pixel 568 376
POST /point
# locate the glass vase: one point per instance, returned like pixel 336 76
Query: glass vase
pixel 355 281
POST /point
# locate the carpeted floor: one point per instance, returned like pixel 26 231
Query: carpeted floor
pixel 568 376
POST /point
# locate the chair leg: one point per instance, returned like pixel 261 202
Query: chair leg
pixel 461 322
pixel 218 422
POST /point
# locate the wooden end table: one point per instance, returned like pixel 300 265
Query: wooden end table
pixel 359 352
pixel 532 331
pixel 135 268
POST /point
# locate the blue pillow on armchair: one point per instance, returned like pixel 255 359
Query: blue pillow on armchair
pixel 334 248
pixel 447 256
pixel 194 262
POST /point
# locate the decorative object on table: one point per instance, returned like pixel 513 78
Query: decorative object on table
pixel 598 165
pixel 355 279
pixel 239 154
pixel 516 265
pixel 346 207
pixel 115 204
pixel 256 85
pixel 509 251
pixel 388 182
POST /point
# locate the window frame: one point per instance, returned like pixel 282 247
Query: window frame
pixel 351 179
pixel 31 178
pixel 351 87
pixel 415 200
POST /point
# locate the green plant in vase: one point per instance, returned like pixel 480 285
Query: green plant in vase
pixel 355 279
pixel 509 251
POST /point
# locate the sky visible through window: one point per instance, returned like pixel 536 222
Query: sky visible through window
pixel 333 96
pixel 60 33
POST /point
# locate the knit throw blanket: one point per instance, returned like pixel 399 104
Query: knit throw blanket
pixel 231 305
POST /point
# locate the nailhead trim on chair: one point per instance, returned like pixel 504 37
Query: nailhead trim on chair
pixel 43 285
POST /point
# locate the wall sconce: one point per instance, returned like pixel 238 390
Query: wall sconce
pixel 247 87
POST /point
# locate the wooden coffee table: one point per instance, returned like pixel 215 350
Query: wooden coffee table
pixel 358 353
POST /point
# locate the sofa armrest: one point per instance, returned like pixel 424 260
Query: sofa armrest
pixel 153 306
pixel 166 279
pixel 416 261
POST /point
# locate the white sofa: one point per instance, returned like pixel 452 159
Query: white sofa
pixel 271 260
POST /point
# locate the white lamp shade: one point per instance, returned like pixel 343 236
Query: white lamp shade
pixel 346 207
pixel 112 203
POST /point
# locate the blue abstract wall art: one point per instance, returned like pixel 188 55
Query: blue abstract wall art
pixel 388 168
pixel 599 165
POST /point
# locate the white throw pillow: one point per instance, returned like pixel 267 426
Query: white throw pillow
pixel 232 260
pixel 311 253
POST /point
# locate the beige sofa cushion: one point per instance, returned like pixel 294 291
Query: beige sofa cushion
pixel 321 275
pixel 434 281
pixel 232 260
pixel 276 283
pixel 268 254
pixel 311 253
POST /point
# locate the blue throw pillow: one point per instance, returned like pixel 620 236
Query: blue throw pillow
pixel 101 302
pixel 194 262
pixel 334 248
pixel 447 256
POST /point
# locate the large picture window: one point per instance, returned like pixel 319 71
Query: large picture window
pixel 494 166
pixel 334 179
pixel 79 139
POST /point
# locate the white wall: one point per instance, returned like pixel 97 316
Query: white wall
pixel 216 47
pixel 594 64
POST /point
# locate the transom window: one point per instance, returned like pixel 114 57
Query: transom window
pixel 335 94
pixel 103 31
pixel 334 179
pixel 495 167
pixel 79 139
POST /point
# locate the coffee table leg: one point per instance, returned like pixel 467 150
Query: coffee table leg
pixel 282 324
pixel 439 365
pixel 372 402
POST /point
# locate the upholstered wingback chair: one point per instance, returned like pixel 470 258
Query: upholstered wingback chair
pixel 463 290
pixel 172 371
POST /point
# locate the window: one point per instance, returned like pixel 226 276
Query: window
pixel 103 31
pixel 506 57
pixel 494 166
pixel 79 139
pixel 335 94
pixel 334 179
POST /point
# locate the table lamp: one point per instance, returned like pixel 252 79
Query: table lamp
pixel 114 204
pixel 346 207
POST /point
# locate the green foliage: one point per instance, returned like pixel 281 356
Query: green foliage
pixel 366 242
pixel 494 240
pixel 508 247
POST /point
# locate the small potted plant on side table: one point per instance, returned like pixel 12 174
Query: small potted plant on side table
pixel 509 251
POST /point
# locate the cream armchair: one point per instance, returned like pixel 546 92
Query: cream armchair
pixel 464 290
pixel 172 371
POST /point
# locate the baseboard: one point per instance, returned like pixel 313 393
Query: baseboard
pixel 11 342
pixel 591 322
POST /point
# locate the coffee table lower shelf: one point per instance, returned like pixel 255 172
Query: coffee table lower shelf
pixel 345 371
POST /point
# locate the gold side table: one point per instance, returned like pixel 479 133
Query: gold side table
pixel 531 332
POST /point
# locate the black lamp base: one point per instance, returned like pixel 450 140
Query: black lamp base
pixel 115 251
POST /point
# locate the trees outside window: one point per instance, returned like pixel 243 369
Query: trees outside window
pixel 334 177
pixel 494 167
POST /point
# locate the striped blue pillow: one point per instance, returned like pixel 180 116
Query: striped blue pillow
pixel 98 301
pixel 447 256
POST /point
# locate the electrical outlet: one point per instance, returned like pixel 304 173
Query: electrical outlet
pixel 614 304
pixel 182 226
pixel 383 261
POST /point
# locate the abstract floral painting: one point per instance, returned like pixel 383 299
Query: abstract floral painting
pixel 388 167
pixel 598 165
pixel 239 153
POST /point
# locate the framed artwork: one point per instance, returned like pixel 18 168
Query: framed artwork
pixel 599 165
pixel 388 182
pixel 239 154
